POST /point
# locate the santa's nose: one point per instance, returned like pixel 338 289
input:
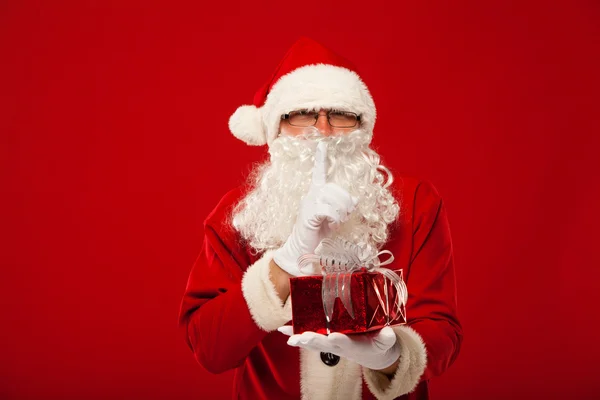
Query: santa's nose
pixel 323 124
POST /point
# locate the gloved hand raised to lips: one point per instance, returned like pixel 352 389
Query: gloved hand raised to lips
pixel 322 210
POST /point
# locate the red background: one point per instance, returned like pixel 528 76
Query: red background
pixel 115 147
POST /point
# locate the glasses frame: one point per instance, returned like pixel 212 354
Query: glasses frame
pixel 288 115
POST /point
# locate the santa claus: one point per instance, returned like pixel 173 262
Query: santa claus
pixel 322 180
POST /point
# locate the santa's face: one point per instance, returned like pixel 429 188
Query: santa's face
pixel 266 216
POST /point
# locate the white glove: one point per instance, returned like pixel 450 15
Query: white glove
pixel 375 351
pixel 324 208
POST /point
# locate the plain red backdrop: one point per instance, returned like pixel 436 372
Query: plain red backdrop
pixel 115 147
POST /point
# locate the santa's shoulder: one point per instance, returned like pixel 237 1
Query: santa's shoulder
pixel 221 214
pixel 416 196
pixel 408 187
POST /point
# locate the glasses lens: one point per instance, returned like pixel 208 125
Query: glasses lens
pixel 341 119
pixel 302 118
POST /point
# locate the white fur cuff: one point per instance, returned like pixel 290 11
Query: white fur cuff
pixel 413 360
pixel 265 306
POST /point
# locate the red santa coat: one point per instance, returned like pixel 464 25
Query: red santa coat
pixel 230 311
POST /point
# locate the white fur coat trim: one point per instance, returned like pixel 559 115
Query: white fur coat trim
pixel 321 382
pixel 413 360
pixel 266 308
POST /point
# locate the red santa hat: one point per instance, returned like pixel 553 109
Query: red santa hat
pixel 311 77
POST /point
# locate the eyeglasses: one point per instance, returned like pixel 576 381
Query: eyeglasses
pixel 337 119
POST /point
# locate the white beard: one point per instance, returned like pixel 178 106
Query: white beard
pixel 266 216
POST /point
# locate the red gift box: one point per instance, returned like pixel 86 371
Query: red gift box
pixel 374 301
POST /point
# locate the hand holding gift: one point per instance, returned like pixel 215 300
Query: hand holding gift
pixel 373 350
pixel 324 208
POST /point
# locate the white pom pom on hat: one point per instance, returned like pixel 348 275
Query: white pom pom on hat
pixel 310 76
pixel 246 124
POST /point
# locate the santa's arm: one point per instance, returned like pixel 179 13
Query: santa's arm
pixel 432 337
pixel 226 312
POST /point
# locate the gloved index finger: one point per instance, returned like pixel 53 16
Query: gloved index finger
pixel 319 175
